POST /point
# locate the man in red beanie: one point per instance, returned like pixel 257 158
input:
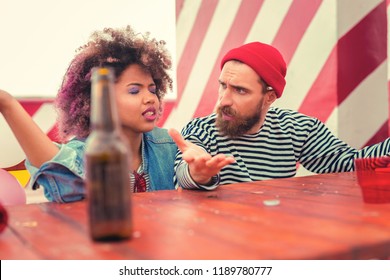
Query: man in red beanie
pixel 248 140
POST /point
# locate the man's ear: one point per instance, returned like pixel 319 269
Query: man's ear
pixel 270 97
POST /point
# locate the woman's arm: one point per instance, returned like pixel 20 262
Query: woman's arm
pixel 35 143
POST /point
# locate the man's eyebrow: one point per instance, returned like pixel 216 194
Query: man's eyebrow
pixel 238 86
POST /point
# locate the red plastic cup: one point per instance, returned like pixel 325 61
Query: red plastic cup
pixel 373 176
pixel 3 218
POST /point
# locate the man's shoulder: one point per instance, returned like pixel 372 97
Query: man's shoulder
pixel 282 113
pixel 204 124
pixel 202 121
pixel 290 119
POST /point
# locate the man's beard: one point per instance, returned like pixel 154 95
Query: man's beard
pixel 239 125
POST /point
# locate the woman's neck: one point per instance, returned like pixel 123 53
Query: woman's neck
pixel 134 140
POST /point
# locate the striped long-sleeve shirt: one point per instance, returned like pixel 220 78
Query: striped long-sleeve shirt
pixel 286 138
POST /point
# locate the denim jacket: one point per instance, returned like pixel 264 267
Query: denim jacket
pixel 62 176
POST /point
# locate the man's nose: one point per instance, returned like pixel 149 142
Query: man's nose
pixel 225 98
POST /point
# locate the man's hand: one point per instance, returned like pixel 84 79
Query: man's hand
pixel 202 166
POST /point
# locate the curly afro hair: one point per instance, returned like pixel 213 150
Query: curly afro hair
pixel 115 48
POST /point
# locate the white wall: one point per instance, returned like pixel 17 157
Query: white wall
pixel 38 37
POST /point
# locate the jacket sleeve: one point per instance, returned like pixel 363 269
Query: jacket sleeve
pixel 62 176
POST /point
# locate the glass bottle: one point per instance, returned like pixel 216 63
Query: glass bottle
pixel 107 164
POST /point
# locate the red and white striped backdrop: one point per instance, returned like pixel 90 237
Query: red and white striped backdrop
pixel 336 52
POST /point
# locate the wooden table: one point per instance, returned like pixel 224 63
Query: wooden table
pixel 318 217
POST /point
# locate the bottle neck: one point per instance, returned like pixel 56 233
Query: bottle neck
pixel 104 114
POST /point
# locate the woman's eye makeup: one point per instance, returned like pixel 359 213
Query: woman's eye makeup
pixel 133 90
pixel 153 89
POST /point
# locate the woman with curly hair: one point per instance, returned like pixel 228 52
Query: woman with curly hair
pixel 141 65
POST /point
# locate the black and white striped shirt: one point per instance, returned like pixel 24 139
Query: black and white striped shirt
pixel 286 138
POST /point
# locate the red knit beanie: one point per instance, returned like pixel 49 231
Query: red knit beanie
pixel 265 60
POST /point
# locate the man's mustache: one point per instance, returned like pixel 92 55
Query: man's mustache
pixel 227 110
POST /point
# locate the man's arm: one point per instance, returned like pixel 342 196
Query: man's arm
pixel 202 167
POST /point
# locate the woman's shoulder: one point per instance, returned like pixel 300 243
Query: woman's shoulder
pixel 158 135
pixel 74 143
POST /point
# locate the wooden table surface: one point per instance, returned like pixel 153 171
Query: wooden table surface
pixel 318 217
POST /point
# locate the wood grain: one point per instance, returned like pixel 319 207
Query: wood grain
pixel 316 217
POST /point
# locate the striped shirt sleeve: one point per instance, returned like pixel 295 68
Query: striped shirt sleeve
pixel 186 182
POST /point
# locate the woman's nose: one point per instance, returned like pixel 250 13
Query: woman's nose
pixel 150 97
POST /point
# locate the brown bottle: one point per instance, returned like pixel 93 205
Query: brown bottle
pixel 107 165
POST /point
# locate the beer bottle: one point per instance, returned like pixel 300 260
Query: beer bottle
pixel 107 164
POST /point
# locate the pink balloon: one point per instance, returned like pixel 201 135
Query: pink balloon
pixel 3 218
pixel 11 192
